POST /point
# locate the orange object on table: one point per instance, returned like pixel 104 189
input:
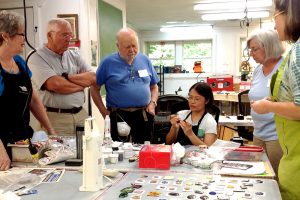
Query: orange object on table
pixel 197 67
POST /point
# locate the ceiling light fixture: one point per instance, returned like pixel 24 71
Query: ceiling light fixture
pixel 177 29
pixel 232 16
pixel 177 22
pixel 232 5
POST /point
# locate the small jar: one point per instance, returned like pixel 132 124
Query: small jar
pixel 121 155
pixel 114 158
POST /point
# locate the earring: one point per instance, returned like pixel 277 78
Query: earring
pixel 6 43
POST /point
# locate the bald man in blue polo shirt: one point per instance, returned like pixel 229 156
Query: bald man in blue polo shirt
pixel 131 88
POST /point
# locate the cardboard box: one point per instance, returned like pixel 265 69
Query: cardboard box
pixel 220 83
pixel 155 156
pixel 20 153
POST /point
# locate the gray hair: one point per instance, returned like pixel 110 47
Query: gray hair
pixel 269 41
pixel 55 24
pixel 10 22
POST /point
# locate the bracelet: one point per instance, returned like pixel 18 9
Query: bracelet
pixel 65 75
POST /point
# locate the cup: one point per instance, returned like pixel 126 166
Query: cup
pixel 121 155
pixel 114 158
pixel 115 147
pixel 106 159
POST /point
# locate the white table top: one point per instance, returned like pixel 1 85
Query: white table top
pixel 233 121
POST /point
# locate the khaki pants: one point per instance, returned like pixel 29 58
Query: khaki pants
pixel 65 123
pixel 273 150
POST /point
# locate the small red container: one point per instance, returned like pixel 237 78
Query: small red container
pixel 155 156
pixel 220 83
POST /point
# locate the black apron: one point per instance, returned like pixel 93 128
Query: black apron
pixel 14 107
pixel 182 138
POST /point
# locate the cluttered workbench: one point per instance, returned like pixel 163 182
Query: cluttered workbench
pixel 94 170
pixel 197 175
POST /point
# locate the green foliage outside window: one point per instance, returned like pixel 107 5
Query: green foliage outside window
pixel 197 51
pixel 161 54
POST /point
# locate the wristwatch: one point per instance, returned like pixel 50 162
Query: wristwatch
pixel 154 102
pixel 65 75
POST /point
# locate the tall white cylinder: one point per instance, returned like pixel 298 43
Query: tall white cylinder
pixel 92 157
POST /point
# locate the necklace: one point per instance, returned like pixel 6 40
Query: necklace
pixel 11 69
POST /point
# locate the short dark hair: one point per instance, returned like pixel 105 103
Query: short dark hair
pixel 204 90
pixel 291 10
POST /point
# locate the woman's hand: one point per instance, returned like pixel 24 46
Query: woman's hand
pixel 261 106
pixel 4 159
pixel 186 127
pixel 174 120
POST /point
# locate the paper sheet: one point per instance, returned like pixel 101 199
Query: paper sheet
pixel 257 168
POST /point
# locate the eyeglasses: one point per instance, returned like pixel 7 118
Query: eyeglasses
pixel 195 99
pixel 21 34
pixel 276 15
pixel 67 35
pixel 253 50
pixel 64 35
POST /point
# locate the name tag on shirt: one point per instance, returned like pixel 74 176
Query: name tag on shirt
pixel 143 73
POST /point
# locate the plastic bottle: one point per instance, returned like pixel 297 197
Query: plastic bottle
pixel 107 135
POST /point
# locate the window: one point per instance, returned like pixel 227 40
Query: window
pixel 187 52
pixel 197 51
pixel 161 53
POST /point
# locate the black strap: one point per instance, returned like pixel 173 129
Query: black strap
pixel 199 122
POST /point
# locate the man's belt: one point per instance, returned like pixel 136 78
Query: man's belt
pixel 132 110
pixel 127 109
pixel 60 110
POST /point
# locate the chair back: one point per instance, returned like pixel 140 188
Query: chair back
pixel 165 102
pixel 244 109
pixel 214 111
pixel 244 103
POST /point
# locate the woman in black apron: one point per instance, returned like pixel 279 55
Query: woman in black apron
pixel 195 126
pixel 16 94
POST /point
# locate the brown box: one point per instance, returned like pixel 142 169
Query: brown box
pixel 20 153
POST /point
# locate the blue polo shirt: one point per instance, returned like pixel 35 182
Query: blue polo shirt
pixel 126 85
pixel 21 63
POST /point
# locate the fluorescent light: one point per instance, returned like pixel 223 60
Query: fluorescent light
pixel 233 5
pixel 239 15
pixel 177 22
pixel 177 29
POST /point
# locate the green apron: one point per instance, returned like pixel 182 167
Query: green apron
pixel 287 130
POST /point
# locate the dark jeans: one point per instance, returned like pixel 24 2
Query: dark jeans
pixel 141 130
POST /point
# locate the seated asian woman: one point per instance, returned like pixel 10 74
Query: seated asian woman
pixel 195 126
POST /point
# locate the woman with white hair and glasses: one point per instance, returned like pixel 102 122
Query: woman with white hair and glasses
pixel 285 91
pixel 266 49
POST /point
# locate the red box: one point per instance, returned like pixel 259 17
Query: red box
pixel 155 156
pixel 220 83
